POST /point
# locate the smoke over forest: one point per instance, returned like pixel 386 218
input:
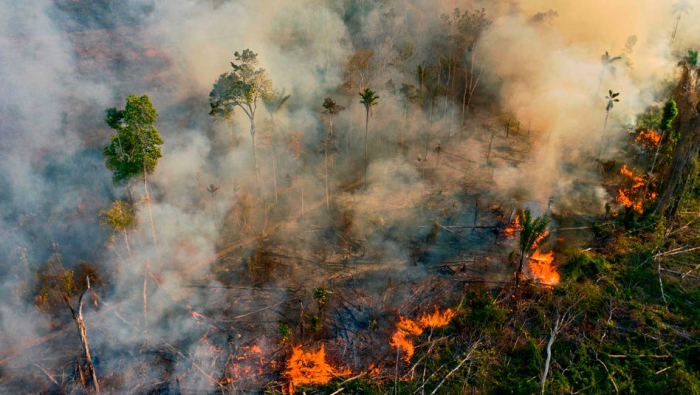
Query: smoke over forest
pixel 336 220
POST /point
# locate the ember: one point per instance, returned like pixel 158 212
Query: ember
pixel 310 368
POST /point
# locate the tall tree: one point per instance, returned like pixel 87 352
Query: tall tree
pixel 679 8
pixel 612 99
pixel 369 99
pixel 532 236
pixel 331 109
pixel 274 101
pixel 135 149
pixel 241 88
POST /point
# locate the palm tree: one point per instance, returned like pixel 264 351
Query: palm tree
pixel 679 8
pixel 532 236
pixel 611 100
pixel 331 109
pixel 369 99
pixel 607 61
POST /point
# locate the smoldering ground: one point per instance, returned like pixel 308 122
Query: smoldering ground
pixel 64 62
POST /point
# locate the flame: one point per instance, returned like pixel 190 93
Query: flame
pixel 629 197
pixel 436 319
pixel 541 266
pixel 513 228
pixel 648 139
pixel 407 327
pixel 310 368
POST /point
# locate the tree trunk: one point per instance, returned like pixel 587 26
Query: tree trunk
pixel 366 146
pixel 549 354
pixel 145 298
pixel 274 169
pixel 602 137
pixel 150 212
pixel 125 235
pixel 82 332
pixel 255 155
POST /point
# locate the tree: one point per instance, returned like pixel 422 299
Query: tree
pixel 241 88
pixel 679 8
pixel 533 234
pixel 274 101
pixel 331 110
pixel 135 149
pixel 120 218
pixel 611 97
pixel 608 66
pixel 82 332
pixel 369 99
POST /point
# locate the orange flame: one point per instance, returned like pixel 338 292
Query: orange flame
pixel 513 228
pixel 629 197
pixel 436 319
pixel 648 139
pixel 543 269
pixel 310 368
pixel 406 327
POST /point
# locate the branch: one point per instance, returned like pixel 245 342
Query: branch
pixel 462 362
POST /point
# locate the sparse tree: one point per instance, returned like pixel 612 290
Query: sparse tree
pixel 274 101
pixel 369 99
pixel 121 219
pixel 82 332
pixel 612 99
pixel 241 88
pixel 679 8
pixel 532 235
pixel 331 110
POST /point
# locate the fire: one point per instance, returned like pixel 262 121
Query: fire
pixel 310 368
pixel 629 197
pixel 648 139
pixel 513 228
pixel 436 319
pixel 541 266
pixel 250 363
pixel 407 327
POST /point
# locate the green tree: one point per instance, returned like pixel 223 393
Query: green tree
pixel 135 149
pixel 532 236
pixel 241 88
pixel 369 99
pixel 331 109
pixel 121 219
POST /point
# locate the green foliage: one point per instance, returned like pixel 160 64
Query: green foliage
pixel 692 58
pixel 581 265
pixel 533 233
pixel 119 217
pixel 135 148
pixel 611 99
pixel 480 312
pixel 369 99
pixel 321 294
pixel 669 114
pixel 285 332
pixel 242 88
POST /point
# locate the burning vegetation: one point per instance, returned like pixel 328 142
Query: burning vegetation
pixel 234 196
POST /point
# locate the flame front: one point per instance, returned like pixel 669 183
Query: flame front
pixel 541 266
pixel 648 139
pixel 513 227
pixel 406 327
pixel 310 368
pixel 629 197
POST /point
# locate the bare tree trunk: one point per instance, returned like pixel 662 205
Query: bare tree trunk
pixel 274 169
pixel 602 137
pixel 366 146
pixel 82 332
pixel 145 298
pixel 125 235
pixel 150 212
pixel 255 155
pixel 549 354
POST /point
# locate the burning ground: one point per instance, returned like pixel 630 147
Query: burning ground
pixel 349 248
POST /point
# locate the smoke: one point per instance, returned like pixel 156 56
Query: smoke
pixel 64 63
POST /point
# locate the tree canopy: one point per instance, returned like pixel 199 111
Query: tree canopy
pixel 135 148
pixel 241 87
